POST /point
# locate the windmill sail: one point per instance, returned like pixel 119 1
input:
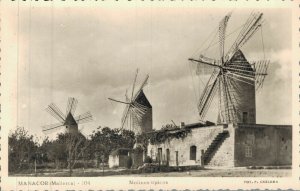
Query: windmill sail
pixel 142 111
pixel 208 94
pixel 52 127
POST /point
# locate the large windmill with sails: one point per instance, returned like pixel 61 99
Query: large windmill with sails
pixel 233 79
pixel 137 115
pixel 67 120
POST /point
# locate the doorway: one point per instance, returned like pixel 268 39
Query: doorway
pixel 177 162
pixel 168 156
pixel 193 152
pixel 159 156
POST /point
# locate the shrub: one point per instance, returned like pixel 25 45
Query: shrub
pixel 148 160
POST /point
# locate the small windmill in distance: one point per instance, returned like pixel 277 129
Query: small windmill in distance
pixel 137 115
pixel 66 120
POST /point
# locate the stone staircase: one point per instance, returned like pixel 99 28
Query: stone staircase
pixel 214 146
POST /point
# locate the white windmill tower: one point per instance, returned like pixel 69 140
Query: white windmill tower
pixel 234 79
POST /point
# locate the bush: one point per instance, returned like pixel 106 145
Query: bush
pixel 149 168
pixel 84 164
pixel 148 160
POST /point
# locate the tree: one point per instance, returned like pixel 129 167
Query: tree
pixel 127 138
pixel 105 140
pixel 75 145
pixel 21 149
pixel 54 151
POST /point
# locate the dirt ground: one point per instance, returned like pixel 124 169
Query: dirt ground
pixel 240 172
pixel 209 172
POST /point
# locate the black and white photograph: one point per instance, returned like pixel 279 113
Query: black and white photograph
pixel 151 92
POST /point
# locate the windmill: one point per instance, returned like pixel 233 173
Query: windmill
pixel 234 79
pixel 137 115
pixel 66 120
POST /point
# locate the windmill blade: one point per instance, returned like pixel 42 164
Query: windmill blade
pixel 72 104
pixel 111 99
pixel 241 77
pixel 240 68
pixel 214 63
pixel 231 97
pixel 133 84
pixel 251 26
pixel 208 94
pixel 135 113
pixel 229 102
pixel 84 118
pixel 68 105
pixel 125 115
pixel 222 33
pixel 244 75
pixel 208 85
pixel 138 110
pixel 141 87
pixel 53 110
pixel 232 84
pixel 51 128
pixel 126 97
pixel 238 78
pixel 261 68
pixel 140 106
pixel 134 120
pixel 56 108
pixel 136 124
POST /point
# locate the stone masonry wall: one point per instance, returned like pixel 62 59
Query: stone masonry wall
pixel 263 145
pixel 199 137
pixel 225 154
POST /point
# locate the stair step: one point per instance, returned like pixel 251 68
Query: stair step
pixel 213 147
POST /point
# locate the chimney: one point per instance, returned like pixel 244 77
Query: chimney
pixel 182 124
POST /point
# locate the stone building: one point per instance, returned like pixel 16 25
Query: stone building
pixel 230 145
pixel 236 140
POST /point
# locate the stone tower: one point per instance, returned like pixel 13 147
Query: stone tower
pixel 70 123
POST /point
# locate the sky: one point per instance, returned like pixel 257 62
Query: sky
pixel 92 54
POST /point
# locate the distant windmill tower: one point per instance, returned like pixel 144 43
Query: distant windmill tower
pixel 66 120
pixel 234 78
pixel 137 115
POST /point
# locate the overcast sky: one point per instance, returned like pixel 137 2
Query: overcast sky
pixel 92 54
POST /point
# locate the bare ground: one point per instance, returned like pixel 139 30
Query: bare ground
pixel 210 172
pixel 222 173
